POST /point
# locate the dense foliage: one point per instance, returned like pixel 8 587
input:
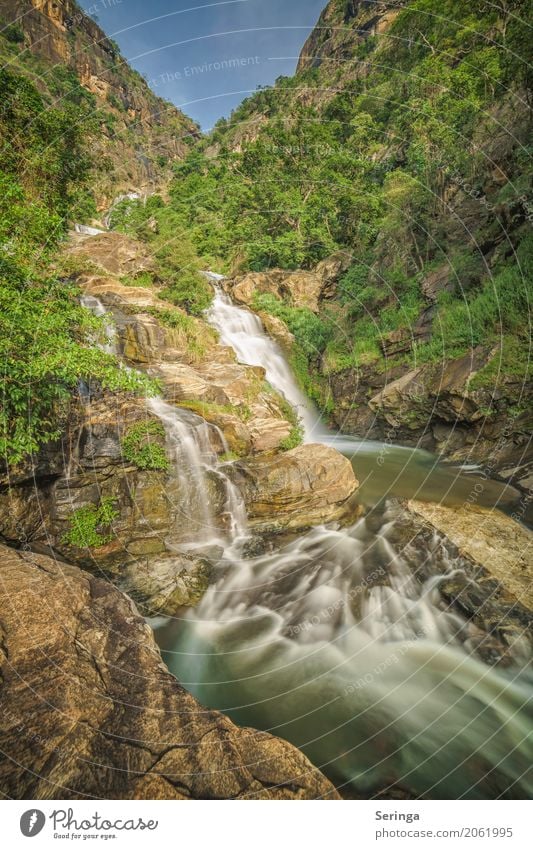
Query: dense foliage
pixel 144 446
pixel 412 153
pixel 47 341
pixel 90 526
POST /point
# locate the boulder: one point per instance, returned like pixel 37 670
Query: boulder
pixel 90 711
pixel 161 586
pixel 490 538
pixel 298 288
pixel 307 486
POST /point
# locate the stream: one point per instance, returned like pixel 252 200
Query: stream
pixel 334 639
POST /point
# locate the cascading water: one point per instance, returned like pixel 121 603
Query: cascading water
pixel 241 330
pixel 196 467
pixel 330 639
pixel 334 641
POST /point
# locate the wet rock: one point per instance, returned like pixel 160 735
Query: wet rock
pixel 111 722
pixel 482 558
pixel 488 537
pixel 162 586
pixel 307 486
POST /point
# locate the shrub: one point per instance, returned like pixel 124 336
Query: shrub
pixel 89 525
pixel 144 446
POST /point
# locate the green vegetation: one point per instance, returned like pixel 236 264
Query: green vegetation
pixel 144 445
pixel 197 337
pixel 296 435
pixel 177 265
pixel 46 338
pixel 209 410
pixel 367 158
pixel 89 525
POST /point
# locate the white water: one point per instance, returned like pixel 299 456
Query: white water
pixel 196 466
pixel 334 641
pixel 331 638
pixel 191 442
pixel 242 330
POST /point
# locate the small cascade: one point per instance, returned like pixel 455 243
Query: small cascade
pixel 242 330
pixel 94 305
pixel 202 481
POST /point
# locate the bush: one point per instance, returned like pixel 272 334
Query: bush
pixel 88 525
pixel 144 446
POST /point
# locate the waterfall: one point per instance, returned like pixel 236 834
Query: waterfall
pixel 334 640
pixel 242 330
pixel 200 477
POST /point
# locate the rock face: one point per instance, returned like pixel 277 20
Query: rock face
pixel 442 408
pixel 90 711
pixel 335 35
pixel 486 572
pixel 140 134
pixel 298 288
pixel 488 537
pixel 309 485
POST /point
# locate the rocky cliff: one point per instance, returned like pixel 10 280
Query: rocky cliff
pixel 134 135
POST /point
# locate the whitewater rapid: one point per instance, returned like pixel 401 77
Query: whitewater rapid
pixel 337 639
pixel 343 645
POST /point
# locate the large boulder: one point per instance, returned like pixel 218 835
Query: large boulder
pixel 298 288
pixel 90 711
pixel 307 486
pixel 490 538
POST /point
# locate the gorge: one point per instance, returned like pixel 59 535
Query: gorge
pixel 264 497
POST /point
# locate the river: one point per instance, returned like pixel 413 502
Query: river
pixel 333 640
pixel 338 639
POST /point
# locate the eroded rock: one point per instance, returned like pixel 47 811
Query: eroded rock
pixel 90 710
pixel 307 486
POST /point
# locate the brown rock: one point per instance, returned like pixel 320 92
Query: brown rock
pixel 90 710
pixel 502 546
pixel 303 487
pixel 115 253
pixel 298 288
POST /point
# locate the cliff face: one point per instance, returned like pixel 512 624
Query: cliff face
pixel 342 26
pixel 138 135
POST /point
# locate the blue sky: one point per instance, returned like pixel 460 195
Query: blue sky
pixel 208 56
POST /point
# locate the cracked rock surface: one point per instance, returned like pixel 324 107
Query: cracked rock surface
pixel 89 710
